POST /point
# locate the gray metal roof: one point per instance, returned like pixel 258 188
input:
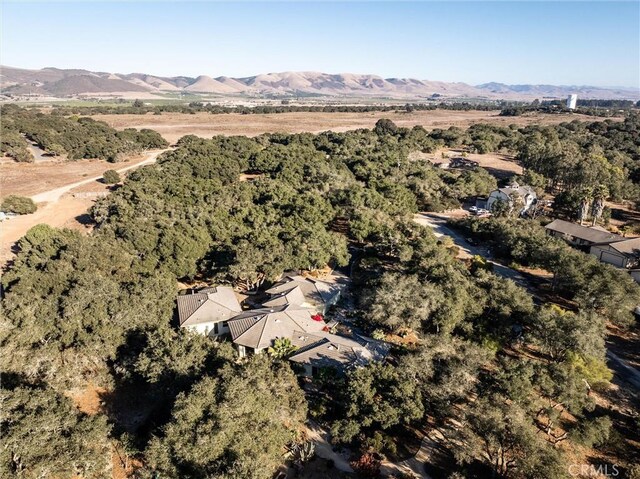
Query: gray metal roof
pixel 592 235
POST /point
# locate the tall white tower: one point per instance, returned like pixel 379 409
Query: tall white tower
pixel 571 102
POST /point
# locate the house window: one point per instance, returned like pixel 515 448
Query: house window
pixel 215 328
pixel 225 324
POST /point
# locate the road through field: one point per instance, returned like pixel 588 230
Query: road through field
pixel 55 194
pixel 58 208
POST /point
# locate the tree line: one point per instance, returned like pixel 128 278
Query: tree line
pixel 74 137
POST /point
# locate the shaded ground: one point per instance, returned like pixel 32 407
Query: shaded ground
pixel 172 126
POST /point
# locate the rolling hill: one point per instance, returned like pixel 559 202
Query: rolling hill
pixel 73 82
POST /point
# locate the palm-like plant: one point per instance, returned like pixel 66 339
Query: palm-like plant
pixel 586 195
pixel 600 194
pixel 282 347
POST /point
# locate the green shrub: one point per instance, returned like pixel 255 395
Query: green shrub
pixel 111 177
pixel 20 205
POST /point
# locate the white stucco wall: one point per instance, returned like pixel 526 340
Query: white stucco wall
pixel 607 255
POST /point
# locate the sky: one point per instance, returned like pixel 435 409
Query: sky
pixel 562 43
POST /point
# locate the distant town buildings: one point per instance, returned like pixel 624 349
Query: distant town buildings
pixel 572 100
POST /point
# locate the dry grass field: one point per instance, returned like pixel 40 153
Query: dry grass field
pixel 28 179
pixel 173 126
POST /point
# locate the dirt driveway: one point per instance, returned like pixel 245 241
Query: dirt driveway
pixel 64 206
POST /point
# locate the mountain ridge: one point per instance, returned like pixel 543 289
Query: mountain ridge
pixel 56 82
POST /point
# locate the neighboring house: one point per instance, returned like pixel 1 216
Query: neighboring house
pixel 622 254
pixel 306 292
pixel 256 330
pixel 526 194
pixel 317 351
pixel 579 235
pixel 208 310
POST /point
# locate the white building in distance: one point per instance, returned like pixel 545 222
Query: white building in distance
pixel 572 100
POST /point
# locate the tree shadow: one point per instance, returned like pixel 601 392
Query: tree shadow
pixel 85 219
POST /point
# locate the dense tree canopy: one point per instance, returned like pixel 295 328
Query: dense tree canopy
pixel 76 137
pixel 243 211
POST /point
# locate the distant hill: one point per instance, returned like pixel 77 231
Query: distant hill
pixel 69 83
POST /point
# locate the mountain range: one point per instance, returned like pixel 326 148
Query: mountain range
pixel 62 83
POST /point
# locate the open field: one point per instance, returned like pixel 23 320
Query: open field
pixel 64 191
pixel 173 126
pixel 29 179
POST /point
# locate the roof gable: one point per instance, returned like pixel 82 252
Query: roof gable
pixel 208 305
pixel 582 232
pixel 258 329
pixel 298 290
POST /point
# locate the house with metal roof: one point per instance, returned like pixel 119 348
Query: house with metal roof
pixel 306 292
pixel 579 235
pixel 207 311
pixel 507 194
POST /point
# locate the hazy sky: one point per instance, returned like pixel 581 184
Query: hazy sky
pixel 595 43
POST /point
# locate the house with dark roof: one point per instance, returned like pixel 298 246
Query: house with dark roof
pixel 306 292
pixel 321 350
pixel 208 310
pixel 579 235
pixel 621 254
pixel 507 194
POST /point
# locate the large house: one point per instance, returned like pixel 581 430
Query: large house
pixel 527 195
pixel 256 330
pixel 208 310
pixel 579 235
pixel 294 311
pixel 306 292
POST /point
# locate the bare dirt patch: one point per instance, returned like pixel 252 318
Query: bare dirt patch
pixel 89 399
pixel 173 126
pixel 70 211
pixel 498 164
pixel 28 179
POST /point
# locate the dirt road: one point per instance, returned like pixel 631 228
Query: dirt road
pixel 438 223
pixel 55 194
pixel 59 208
